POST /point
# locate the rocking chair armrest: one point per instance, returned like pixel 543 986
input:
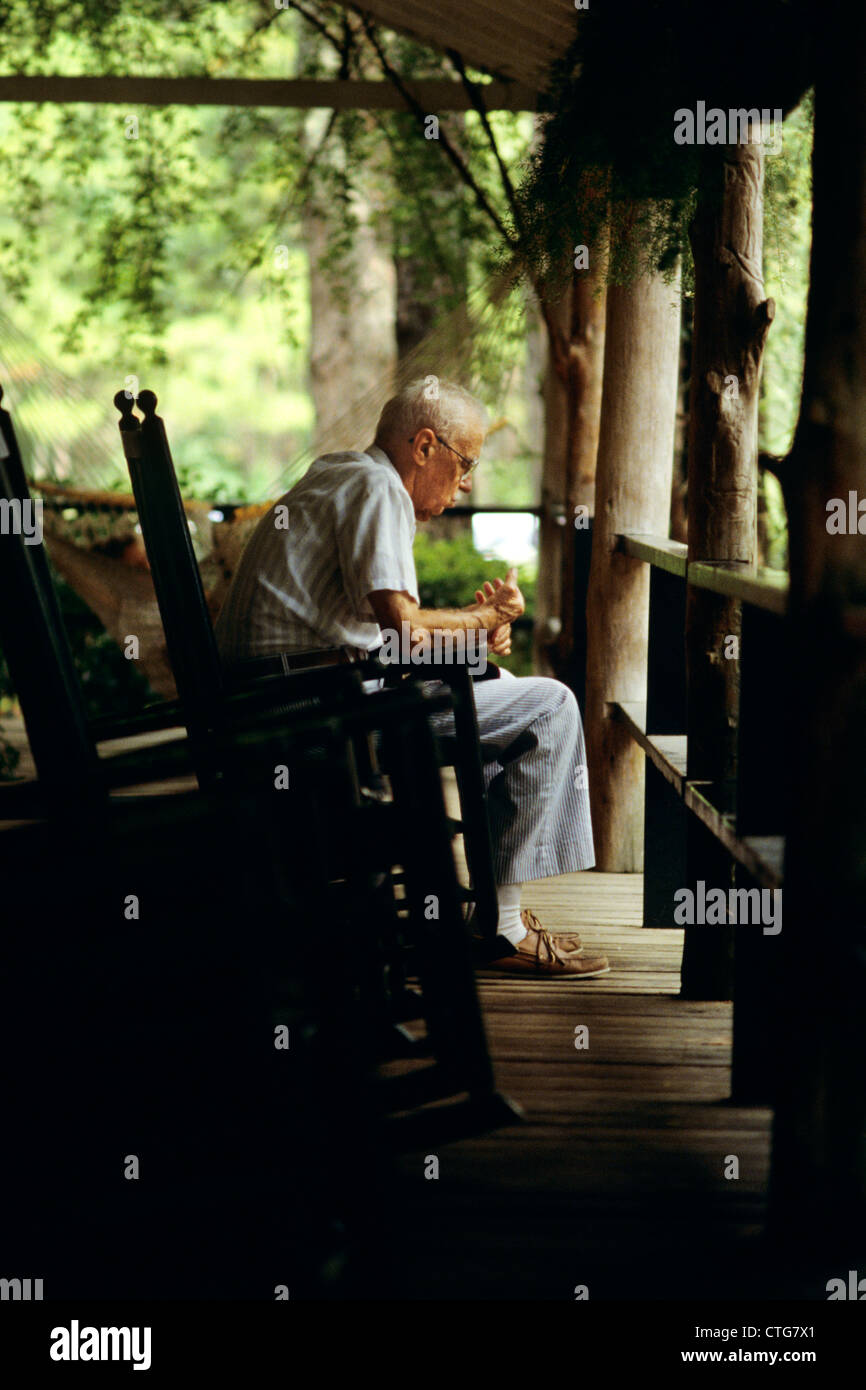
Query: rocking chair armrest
pixel 266 693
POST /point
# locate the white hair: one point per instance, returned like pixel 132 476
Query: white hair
pixel 430 403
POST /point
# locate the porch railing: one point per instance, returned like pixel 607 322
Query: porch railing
pixel 745 819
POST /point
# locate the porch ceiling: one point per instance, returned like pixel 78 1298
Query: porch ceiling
pixel 507 37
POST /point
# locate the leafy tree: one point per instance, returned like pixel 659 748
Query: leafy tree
pixel 239 175
pixel 786 275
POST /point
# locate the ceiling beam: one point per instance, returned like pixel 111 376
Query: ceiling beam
pixel 433 94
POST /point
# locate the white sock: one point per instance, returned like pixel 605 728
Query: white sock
pixel 510 925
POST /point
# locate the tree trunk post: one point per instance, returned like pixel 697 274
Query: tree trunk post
pixel 731 321
pixel 572 420
pixel 632 493
pixel 585 379
pixel 548 613
pixel 818 1177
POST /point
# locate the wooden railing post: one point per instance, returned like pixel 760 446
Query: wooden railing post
pixel 665 816
pixel 633 490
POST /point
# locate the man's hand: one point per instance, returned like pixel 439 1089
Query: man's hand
pixel 499 640
pixel 501 601
pixel 496 607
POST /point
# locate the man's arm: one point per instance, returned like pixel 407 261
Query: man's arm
pixel 503 604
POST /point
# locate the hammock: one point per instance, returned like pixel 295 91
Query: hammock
pixel 72 452
pixel 112 574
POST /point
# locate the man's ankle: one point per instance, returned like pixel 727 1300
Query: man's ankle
pixel 510 925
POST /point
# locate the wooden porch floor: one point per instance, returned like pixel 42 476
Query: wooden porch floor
pixel 616 1180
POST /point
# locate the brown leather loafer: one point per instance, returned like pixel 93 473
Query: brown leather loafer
pixel 539 954
pixel 565 940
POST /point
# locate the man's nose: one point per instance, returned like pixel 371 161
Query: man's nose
pixel 466 483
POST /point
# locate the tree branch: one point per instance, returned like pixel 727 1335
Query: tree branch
pixel 558 340
pixel 292 196
pixel 319 25
pixel 449 150
pixel 559 345
pixel 478 103
pixel 259 28
pixel 383 126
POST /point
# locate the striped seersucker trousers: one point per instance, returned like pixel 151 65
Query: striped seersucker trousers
pixel 534 753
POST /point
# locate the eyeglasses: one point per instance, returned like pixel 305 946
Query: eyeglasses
pixel 471 464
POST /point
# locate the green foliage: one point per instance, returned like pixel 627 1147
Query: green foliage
pixel 787 242
pixel 608 144
pixel 9 757
pixel 158 256
pixel 8 705
pixel 449 571
pixel 189 208
pixel 772 502
pixel 111 684
pixel 7 693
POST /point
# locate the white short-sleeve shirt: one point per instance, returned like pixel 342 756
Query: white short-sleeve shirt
pixel 350 531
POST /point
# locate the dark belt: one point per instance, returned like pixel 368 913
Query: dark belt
pixel 281 663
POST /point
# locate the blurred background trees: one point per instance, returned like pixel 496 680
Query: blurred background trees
pixel 260 267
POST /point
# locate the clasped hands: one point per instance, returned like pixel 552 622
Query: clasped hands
pixel 497 605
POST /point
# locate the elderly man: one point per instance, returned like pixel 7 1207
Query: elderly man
pixel 342 573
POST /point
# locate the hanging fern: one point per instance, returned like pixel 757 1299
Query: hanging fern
pixel 608 146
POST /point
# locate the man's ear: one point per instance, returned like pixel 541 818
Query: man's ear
pixel 422 448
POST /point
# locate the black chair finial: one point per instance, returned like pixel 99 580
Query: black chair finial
pixel 1 395
pixel 124 402
pixel 147 402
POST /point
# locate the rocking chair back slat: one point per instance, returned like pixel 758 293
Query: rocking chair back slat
pixel 180 593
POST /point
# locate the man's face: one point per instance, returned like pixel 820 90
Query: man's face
pixel 440 474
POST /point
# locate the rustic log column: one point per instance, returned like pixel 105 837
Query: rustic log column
pixel 633 493
pixel 548 613
pixel 818 1181
pixel 585 381
pixel 732 318
pixel 572 395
